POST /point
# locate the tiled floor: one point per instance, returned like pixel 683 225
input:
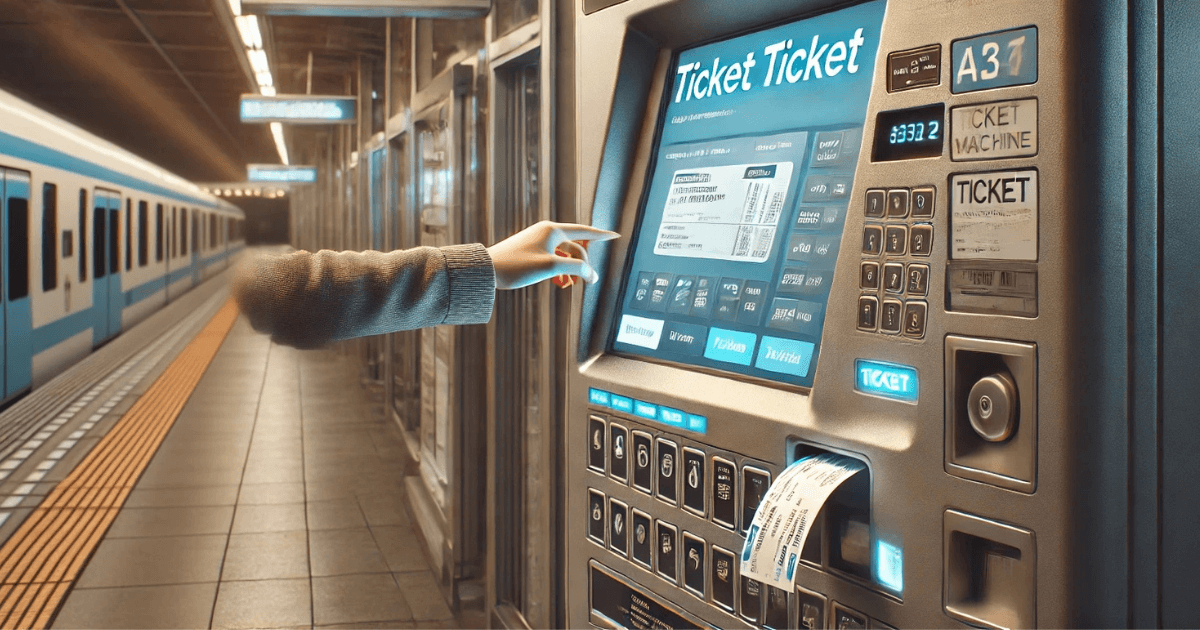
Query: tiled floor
pixel 276 501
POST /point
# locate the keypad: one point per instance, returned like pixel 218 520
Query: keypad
pixel 894 290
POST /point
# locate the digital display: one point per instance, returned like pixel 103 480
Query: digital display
pixel 910 133
pixel 298 109
pixel 738 238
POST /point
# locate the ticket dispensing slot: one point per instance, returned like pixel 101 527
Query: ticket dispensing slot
pixel 841 538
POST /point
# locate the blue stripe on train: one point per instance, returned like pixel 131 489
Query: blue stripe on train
pixel 59 330
pixel 27 150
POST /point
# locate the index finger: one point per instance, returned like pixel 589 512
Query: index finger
pixel 574 232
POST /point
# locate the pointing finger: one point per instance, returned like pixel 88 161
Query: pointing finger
pixel 571 232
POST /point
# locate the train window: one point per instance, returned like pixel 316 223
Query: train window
pixel 99 228
pixel 18 248
pixel 143 233
pixel 82 235
pixel 195 230
pixel 68 244
pixel 49 234
pixel 212 230
pixel 158 247
pixel 128 235
pixel 114 232
pixel 183 224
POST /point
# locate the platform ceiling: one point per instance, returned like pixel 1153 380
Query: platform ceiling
pixel 162 78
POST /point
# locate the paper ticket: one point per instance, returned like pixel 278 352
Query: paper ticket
pixel 785 517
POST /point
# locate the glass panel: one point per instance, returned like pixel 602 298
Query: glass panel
pixel 49 236
pixel 99 227
pixel 83 239
pixel 143 233
pixel 18 248
pixel 512 14
pixel 441 43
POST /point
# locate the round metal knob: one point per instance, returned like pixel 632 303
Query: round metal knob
pixel 992 407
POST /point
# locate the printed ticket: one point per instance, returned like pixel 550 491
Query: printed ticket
pixel 785 517
pixel 724 212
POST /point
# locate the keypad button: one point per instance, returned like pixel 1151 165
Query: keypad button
pixel 889 319
pixel 643 539
pixel 667 467
pixel 693 564
pixel 643 462
pixel 875 204
pixel 681 295
pixel 754 298
pixel 868 275
pixel 596 516
pixel 914 319
pixel 693 481
pixel 897 203
pixel 618 528
pixel 893 278
pixel 723 577
pixel 666 551
pixel 776 616
pixel 847 619
pixel 751 596
pixel 810 609
pixel 618 452
pixel 894 238
pixel 918 280
pixel 920 240
pixel 782 314
pixel 872 240
pixel 596 442
pixel 660 293
pixel 755 483
pixel 702 300
pixel 868 313
pixel 641 294
pixel 724 484
pixel 922 202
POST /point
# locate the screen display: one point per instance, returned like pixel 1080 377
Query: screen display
pixel 739 235
pixel 910 133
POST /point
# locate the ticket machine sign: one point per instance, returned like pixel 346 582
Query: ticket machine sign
pixel 886 379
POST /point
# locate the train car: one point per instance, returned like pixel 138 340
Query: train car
pixel 92 240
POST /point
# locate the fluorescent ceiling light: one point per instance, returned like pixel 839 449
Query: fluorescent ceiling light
pixel 280 145
pixel 370 8
pixel 251 34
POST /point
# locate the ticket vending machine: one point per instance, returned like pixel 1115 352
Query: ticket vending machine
pixel 919 234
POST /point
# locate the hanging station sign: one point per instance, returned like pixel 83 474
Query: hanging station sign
pixel 298 109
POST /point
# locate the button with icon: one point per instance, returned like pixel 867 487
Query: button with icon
pixel 596 516
pixel 643 539
pixel 618 530
pixel 618 459
pixel 643 471
pixel 693 564
pixel 694 490
pixel 668 456
pixel 596 441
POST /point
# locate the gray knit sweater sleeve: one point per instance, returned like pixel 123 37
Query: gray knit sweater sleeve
pixel 306 300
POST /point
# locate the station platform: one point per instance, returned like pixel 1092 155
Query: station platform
pixel 219 481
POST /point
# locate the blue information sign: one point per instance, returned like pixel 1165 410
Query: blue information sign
pixel 280 173
pixel 298 109
pixel 993 61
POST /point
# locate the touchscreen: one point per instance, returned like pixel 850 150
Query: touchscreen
pixel 739 235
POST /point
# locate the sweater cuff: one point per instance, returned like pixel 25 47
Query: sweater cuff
pixel 472 284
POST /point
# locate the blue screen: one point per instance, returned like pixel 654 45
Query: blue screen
pixel 739 235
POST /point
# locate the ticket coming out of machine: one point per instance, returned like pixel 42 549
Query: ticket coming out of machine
pixel 786 515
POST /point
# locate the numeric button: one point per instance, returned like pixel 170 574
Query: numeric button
pixel 897 203
pixel 922 202
pixel 724 484
pixel 618 531
pixel 889 320
pixel 596 516
pixel 868 313
pixel 643 539
pixel 914 319
pixel 666 550
pixel 723 578
pixel 693 564
pixel 872 240
pixel 875 204
pixel 921 240
pixel 618 454
pixel 668 464
pixel 643 462
pixel 868 275
pixel 894 240
pixel 755 483
pixel 918 280
pixel 693 481
pixel 893 278
pixel 596 442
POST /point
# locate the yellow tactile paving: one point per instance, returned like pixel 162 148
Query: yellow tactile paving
pixel 42 559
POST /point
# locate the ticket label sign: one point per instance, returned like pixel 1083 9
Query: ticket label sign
pixel 785 516
pixel 994 216
pixel 991 131
pixel 724 212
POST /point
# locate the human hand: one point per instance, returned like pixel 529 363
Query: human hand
pixel 528 257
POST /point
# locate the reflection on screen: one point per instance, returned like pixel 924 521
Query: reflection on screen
pixel 739 236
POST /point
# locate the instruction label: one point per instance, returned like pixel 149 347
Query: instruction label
pixel 724 212
pixel 994 130
pixel 994 216
pixel 785 517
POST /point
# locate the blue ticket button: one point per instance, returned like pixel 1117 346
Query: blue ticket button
pixel 645 410
pixel 673 417
pixel 889 380
pixel 621 403
pixel 598 396
pixel 786 356
pixel 730 346
pixel 699 424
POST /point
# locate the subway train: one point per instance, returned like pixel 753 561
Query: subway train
pixel 94 239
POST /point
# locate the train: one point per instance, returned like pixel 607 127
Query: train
pixel 93 239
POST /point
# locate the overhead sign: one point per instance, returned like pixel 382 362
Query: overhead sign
pixel 369 8
pixel 279 173
pixel 298 109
